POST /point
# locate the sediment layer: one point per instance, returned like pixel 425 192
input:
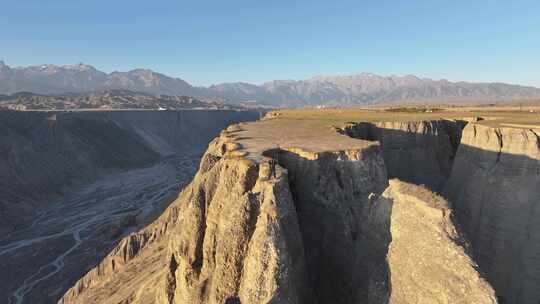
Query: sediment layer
pixel 420 152
pixel 416 251
pixel 494 190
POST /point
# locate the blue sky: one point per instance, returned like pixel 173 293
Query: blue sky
pixel 206 42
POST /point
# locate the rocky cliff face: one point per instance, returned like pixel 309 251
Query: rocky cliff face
pixel 494 188
pixel 490 175
pixel 330 192
pixel 240 235
pixel 233 236
pixel 268 219
pixel 237 238
pixel 421 152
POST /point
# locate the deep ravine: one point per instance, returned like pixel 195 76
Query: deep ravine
pixel 491 179
pixel 267 221
pixel 73 184
pixel 369 212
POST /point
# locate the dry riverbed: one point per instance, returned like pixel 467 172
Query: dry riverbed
pixel 38 263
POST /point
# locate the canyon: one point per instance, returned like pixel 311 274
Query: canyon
pixel 74 183
pixel 303 206
pixel 270 152
pixel 322 210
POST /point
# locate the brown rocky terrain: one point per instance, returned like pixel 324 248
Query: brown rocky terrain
pixel 294 210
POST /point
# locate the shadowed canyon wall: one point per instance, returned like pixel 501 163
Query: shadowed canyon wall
pixel 420 152
pixel 491 177
pixel 44 154
pixel 495 191
pixel 331 194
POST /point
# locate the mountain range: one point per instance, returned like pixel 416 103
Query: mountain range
pixel 353 90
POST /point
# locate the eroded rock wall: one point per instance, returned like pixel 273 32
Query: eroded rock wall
pixel 237 238
pixel 188 131
pixel 234 238
pixel 44 154
pixel 331 192
pixel 288 226
pixel 420 152
pixel 494 189
pixel 416 253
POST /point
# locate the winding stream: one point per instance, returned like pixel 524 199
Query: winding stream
pixel 44 259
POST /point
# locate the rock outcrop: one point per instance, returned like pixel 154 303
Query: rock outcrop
pixel 288 219
pixel 494 189
pixel 233 236
pixel 416 251
pixel 421 152
pixel 331 193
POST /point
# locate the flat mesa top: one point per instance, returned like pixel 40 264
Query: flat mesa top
pixel 495 117
pixel 255 138
pixel 315 130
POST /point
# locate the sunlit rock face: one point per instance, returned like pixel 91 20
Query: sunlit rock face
pixel 313 222
pixel 419 255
